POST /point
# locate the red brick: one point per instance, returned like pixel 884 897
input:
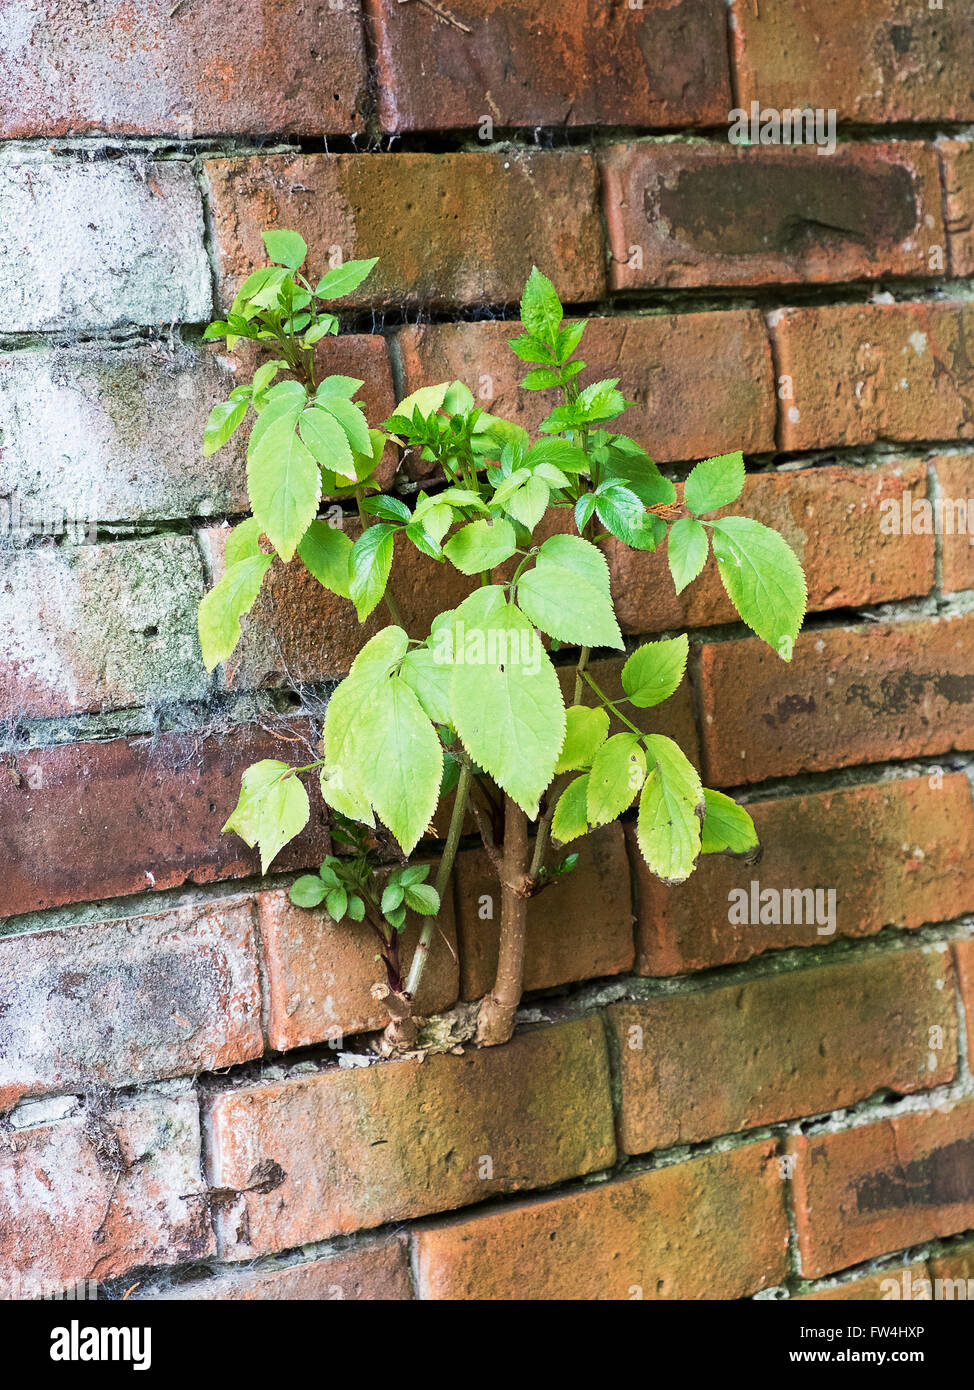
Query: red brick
pixel 897 853
pixel 957 162
pixel 70 67
pixel 525 64
pixel 697 1065
pixel 955 485
pixel 874 1288
pixel 99 1192
pixel 850 695
pixel 688 215
pixel 319 973
pixel 124 1002
pixel 377 1271
pixel 876 371
pixel 365 1146
pixel 300 631
pixel 578 929
pixel 861 1192
pixel 964 956
pixel 449 229
pixel 60 656
pixel 712 1228
pixel 884 60
pixel 719 361
pixel 830 516
pixel 98 820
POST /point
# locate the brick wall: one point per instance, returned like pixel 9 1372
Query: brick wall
pixel 694 1105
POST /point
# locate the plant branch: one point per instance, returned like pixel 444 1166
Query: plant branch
pixel 495 1021
pixel 421 954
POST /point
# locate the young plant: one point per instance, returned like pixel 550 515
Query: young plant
pixel 475 709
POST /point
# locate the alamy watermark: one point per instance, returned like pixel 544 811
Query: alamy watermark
pixel 774 907
pixel 479 646
pixel 789 126
pixel 20 523
pixel 924 516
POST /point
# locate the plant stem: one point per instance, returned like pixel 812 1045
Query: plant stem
pixel 495 1021
pixel 609 705
pixel 421 954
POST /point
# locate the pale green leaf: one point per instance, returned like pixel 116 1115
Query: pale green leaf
pixel 567 594
pixel 222 608
pixel 327 440
pixel 763 579
pixel 618 771
pixel 481 545
pixel 727 827
pixel 345 278
pixel 570 814
pixel 369 565
pixel 284 485
pixel 654 672
pixel 686 548
pixel 287 248
pixel 272 809
pixel 223 421
pixel 243 542
pixel 671 808
pixel 714 483
pixel 326 552
pixel 586 730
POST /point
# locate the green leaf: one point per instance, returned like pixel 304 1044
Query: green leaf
pixel 307 891
pixel 481 545
pixel 344 386
pixel 223 420
pixel 336 903
pixel 243 542
pixel 326 552
pixel 284 485
pixel 345 278
pixel 727 827
pixel 352 421
pixel 623 514
pixel 369 565
pixel 506 701
pixel 423 898
pixel 286 248
pixel 686 548
pixel 531 349
pixel 356 908
pixel 671 808
pixel 530 502
pixel 569 820
pixel 541 379
pixel 568 339
pixel 392 896
pixel 541 311
pixel 618 771
pixel 427 400
pixel 430 680
pixel 763 579
pixel 584 735
pixel 327 439
pixel 567 593
pixel 655 671
pixel 222 608
pixel 272 809
pixel 714 483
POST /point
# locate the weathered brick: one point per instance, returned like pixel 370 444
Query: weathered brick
pixel 688 215
pixel 114 434
pixel 300 631
pixel 861 1192
pixel 964 956
pixel 96 820
pixel 884 60
pixel 878 371
pixel 873 1288
pixel 365 1146
pixel 957 162
pixel 955 487
pixel 73 68
pixel 101 245
pixel 697 1065
pixel 377 1271
pixel 663 63
pixel 449 229
pixel 721 362
pixel 100 627
pixel 946 1269
pixel 833 519
pixel 896 853
pixel 712 1228
pixel 319 972
pixel 850 695
pixel 123 1002
pixel 101 1191
pixel 578 929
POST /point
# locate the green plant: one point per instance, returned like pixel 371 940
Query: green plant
pixel 474 708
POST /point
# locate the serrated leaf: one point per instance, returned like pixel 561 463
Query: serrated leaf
pixel 567 593
pixel 286 248
pixel 585 732
pixel 618 771
pixel 541 311
pixel 714 483
pixel 307 891
pixel 763 579
pixel 223 421
pixel 345 386
pixel 427 400
pixel 284 486
pixel 541 379
pixel 369 565
pixel 568 339
pixel 344 278
pixel 655 671
pixel 222 608
pixel 327 439
pixel 423 898
pixel 670 811
pixel 480 545
pixel 686 550
pixel 623 514
pixel 272 809
pixel 243 542
pixel 337 903
pixel 530 349
pixel 326 552
pixel 352 421
pixel 727 827
pixel 505 697
pixel 429 679
pixel 530 502
pixel 570 820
